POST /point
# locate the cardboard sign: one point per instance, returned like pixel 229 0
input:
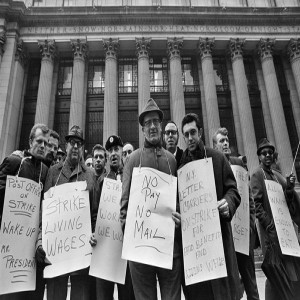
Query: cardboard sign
pixel 66 228
pixel 283 222
pixel 106 258
pixel 241 220
pixel 203 252
pixel 149 231
pixel 19 229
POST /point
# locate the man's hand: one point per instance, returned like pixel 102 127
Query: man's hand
pixel 176 218
pixel 40 255
pixel 93 241
pixel 290 182
pixel 223 208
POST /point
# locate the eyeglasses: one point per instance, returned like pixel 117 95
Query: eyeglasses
pixel 266 152
pixel 75 142
pixel 155 122
pixel 125 153
pixel 172 132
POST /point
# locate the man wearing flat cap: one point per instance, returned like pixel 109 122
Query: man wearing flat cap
pixel 71 169
pixel 290 264
pixel 105 288
pixel 152 155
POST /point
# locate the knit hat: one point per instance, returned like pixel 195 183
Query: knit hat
pixel 150 106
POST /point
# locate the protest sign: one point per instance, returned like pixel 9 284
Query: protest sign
pixel 241 220
pixel 203 252
pixel 106 260
pixel 66 228
pixel 283 222
pixel 149 231
pixel 19 229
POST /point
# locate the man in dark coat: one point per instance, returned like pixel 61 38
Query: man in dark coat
pixel 245 262
pixel 105 288
pixel 171 136
pixel 30 166
pixel 72 169
pixel 228 201
pixel 290 264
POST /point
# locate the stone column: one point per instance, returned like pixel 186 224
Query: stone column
pixel 142 52
pixel 80 49
pixel 205 48
pixel 203 104
pixel 294 56
pixel 110 114
pixel 48 52
pixel 264 102
pixel 265 50
pixel 293 93
pixel 21 59
pixel 2 43
pixel 235 109
pixel 177 106
pixel 53 94
pixel 244 107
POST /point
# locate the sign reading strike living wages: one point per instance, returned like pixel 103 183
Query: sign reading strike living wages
pixel 283 222
pixel 241 220
pixel 149 231
pixel 66 228
pixel 203 252
pixel 106 258
pixel 19 229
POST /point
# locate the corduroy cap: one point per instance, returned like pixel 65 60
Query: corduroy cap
pixel 264 143
pixel 150 106
pixel 75 131
pixel 113 140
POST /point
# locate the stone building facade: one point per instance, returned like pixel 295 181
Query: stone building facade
pixel 94 63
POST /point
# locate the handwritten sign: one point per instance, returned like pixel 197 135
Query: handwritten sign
pixel 241 221
pixel 203 252
pixel 66 228
pixel 19 229
pixel 106 258
pixel 149 231
pixel 283 222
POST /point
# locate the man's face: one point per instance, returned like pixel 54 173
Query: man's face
pixel 127 150
pixel 89 163
pixel 222 143
pixel 192 135
pixel 99 160
pixel 74 150
pixel 38 144
pixel 51 149
pixel 152 127
pixel 266 156
pixel 114 157
pixel 171 136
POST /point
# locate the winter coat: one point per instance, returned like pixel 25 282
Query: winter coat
pixel 227 287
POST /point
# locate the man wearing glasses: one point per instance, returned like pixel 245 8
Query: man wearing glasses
pixel 171 136
pixel 72 169
pixel 127 150
pixel 289 264
pixel 152 155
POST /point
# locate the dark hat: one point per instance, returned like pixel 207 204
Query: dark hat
pixel 264 143
pixel 113 140
pixel 149 107
pixel 75 131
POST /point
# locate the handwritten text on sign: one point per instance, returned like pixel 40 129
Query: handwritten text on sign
pixel 283 223
pixel 106 258
pixel 19 229
pixel 241 220
pixel 66 228
pixel 203 252
pixel 149 231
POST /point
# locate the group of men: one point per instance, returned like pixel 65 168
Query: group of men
pixel 117 161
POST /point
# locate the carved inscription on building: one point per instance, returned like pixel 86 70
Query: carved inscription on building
pixel 188 29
